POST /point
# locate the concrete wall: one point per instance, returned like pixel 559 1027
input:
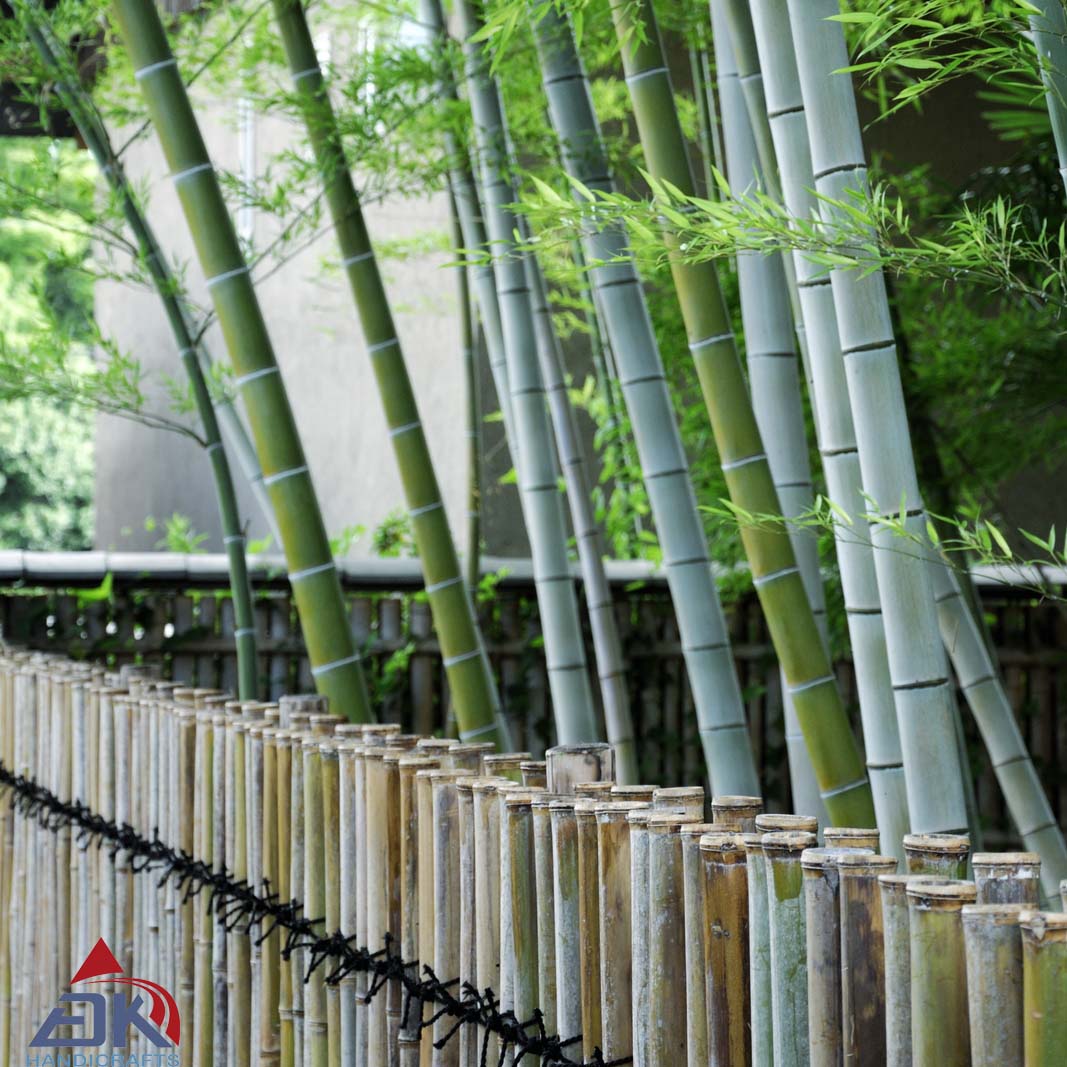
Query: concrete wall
pixel 320 349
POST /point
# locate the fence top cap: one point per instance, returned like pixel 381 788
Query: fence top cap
pixel 846 833
pixel 468 747
pixel 546 799
pixel 347 746
pixel 1043 925
pixel 577 750
pixel 823 859
pixel 488 783
pixel 947 843
pixel 564 802
pixel 429 744
pixel 728 801
pixel 607 810
pixel 788 841
pixel 778 822
pixel 698 828
pixel 518 800
pixel 368 728
pixel 643 791
pixel 722 841
pixel 669 822
pixel 1006 859
pixel 857 863
pixel 448 777
pixel 590 790
pixel 994 914
pixel 506 759
pixel 418 761
pixel 525 765
pixel 328 749
pixel 642 816
pixel 898 883
pixel 348 729
pixel 679 792
pixel 950 893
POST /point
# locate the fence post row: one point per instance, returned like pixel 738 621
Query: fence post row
pixel 313 893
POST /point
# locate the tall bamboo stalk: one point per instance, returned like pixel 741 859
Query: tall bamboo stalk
pixel 568 678
pixel 1048 24
pixel 774 380
pixel 833 749
pixel 834 427
pixel 470 678
pixel 607 647
pixel 622 306
pixel 926 710
pixel 312 573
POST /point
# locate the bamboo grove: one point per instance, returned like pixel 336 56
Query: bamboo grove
pixel 779 130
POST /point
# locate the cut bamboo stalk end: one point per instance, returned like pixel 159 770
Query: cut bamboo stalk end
pixel 505 765
pixel 1044 938
pixel 851 837
pixel 761 1010
pixel 567 765
pixel 633 793
pixel 534 773
pixel 942 855
pixel 736 813
pixel 1007 877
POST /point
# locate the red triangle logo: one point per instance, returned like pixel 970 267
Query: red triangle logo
pixel 100 961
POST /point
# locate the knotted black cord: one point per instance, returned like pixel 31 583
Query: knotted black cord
pixel 234 902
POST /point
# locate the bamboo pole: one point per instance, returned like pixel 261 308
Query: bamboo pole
pixel 424 848
pixel 399 746
pixel 1008 877
pixel 330 770
pixel 1044 936
pixel 833 749
pixel 316 589
pixel 468 919
pixel 940 1027
pixel 568 765
pixel 761 1010
pixel 566 892
pixel 942 855
pixel 633 794
pixel 696 1014
pixel 534 773
pixel 589 923
pixel 522 902
pixel 770 356
pixel 994 953
pixel 467 757
pixel 824 944
pixel 778 822
pixel 203 817
pixel 1048 27
pixel 666 941
pixel 254 808
pixel 735 813
pixel 851 837
pixel 283 740
pixel 724 859
pixel 621 303
pixel 615 918
pixel 316 1037
pixel 568 677
pixel 505 766
pixel 785 899
pixel 487 894
pixel 544 889
pixel 297 864
pixel 686 798
pixel 863 958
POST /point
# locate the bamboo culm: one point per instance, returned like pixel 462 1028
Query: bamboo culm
pixel 607 647
pixel 471 685
pixel 834 430
pixel 834 752
pixel 1048 25
pixel 621 303
pixel 96 138
pixel 557 599
pixel 907 582
pixel 312 572
pixel 774 381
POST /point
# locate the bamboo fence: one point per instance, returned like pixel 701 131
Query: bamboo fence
pixel 317 893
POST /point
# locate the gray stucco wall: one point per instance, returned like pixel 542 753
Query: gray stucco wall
pixel 319 346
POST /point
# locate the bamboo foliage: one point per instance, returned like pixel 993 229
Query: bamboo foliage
pixel 623 310
pixel 312 573
pixel 568 679
pixel 470 677
pixel 92 130
pixel 833 749
pixel 774 380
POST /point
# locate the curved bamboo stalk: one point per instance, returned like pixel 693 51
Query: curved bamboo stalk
pixel 607 647
pixel 470 677
pixel 834 752
pixel 621 302
pixel 564 649
pixel 771 357
pixel 834 431
pixel 926 709
pixel 96 138
pixel 1049 28
pixel 316 589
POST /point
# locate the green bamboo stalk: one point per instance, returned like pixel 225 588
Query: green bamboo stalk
pixel 835 432
pixel 1049 28
pixel 568 677
pixel 624 312
pixel 80 108
pixel 834 752
pixel 599 602
pixel 312 572
pixel 472 560
pixel 774 381
pixel 470 677
pixel 925 705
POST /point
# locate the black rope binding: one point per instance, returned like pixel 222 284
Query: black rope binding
pixel 236 903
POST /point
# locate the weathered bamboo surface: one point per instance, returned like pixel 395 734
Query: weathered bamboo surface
pixel 318 894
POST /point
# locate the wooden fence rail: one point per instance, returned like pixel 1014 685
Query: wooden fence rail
pixel 173 611
pixel 280 888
